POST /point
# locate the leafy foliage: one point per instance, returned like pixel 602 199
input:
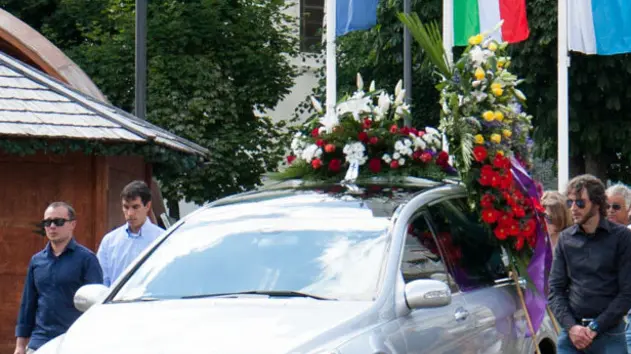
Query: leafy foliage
pixel 210 64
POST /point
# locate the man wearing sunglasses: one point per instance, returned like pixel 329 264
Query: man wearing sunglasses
pixel 590 281
pixel 618 203
pixel 54 275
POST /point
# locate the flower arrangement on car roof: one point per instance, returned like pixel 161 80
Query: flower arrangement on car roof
pixel 365 138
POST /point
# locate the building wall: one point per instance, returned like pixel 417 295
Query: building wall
pixel 28 185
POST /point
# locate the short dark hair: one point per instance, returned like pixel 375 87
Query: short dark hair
pixel 137 189
pixel 595 190
pixel 71 213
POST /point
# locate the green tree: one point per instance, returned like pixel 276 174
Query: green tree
pixel 211 63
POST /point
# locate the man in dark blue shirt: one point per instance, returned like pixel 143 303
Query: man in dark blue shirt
pixel 54 275
pixel 590 281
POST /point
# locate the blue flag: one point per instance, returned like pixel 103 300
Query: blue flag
pixel 354 15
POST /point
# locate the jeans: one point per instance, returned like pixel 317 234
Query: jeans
pixel 610 342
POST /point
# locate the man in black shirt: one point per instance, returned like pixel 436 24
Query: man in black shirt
pixel 590 282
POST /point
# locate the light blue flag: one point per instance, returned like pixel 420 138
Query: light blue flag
pixel 601 27
pixel 354 15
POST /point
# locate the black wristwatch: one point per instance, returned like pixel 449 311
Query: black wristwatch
pixel 593 325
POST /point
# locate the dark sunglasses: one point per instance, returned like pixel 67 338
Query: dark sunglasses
pixel 615 207
pixel 580 203
pixel 59 222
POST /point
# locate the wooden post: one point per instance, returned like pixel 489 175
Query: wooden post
pixel 533 334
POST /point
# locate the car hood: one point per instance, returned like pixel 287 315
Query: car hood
pixel 205 326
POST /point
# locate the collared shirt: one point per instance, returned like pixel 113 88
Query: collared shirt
pixel 591 275
pixel 47 308
pixel 120 247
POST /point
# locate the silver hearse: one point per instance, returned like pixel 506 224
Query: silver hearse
pixel 313 269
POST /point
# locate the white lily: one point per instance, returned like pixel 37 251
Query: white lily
pixel 372 86
pixel 329 121
pixel 398 88
pixel 360 82
pixel 400 97
pixel 316 104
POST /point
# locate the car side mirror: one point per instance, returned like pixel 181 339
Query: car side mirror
pixel 89 295
pixel 425 293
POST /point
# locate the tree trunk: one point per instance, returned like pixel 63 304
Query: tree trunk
pixel 597 165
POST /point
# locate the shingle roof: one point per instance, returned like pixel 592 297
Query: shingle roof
pixel 32 104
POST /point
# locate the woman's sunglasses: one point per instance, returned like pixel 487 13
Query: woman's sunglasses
pixel 59 222
pixel 580 203
pixel 614 206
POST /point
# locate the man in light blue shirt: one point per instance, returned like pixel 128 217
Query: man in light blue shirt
pixel 121 246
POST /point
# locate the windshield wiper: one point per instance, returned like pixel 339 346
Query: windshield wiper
pixel 271 293
pixel 135 299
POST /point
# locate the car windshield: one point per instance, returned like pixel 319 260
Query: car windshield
pixel 324 246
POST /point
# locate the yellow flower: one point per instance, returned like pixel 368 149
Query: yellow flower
pixel 489 116
pixel 507 133
pixel 493 46
pixel 495 85
pixel 500 63
pixel 496 138
pixel 499 116
pixel 479 139
pixel 475 40
pixel 500 152
pixel 479 73
pixel 498 92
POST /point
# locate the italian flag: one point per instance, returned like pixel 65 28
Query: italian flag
pixel 476 16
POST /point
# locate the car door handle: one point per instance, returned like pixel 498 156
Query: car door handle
pixel 461 314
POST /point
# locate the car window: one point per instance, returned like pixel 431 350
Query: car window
pixel 421 255
pixel 473 259
pixel 313 244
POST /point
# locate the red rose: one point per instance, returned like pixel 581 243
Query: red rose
pixel 426 157
pixel 501 232
pixel 329 148
pixel 506 181
pixel 442 159
pixel 421 133
pixel 486 175
pixel 374 165
pixel 394 129
pixel 290 159
pixel 490 215
pixel 496 180
pixel 315 132
pixel 506 219
pixel 487 201
pixel 363 137
pixel 520 243
pixel 394 164
pixel 320 142
pixel 367 123
pixel 513 228
pixel 519 211
pixel 414 131
pixel 501 161
pixel 316 163
pixel 373 140
pixel 335 165
pixel 405 131
pixel 480 153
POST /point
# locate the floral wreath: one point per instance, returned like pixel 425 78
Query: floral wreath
pixel 365 138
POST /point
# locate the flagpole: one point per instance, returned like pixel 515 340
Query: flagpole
pixel 448 29
pixel 562 98
pixel 331 74
pixel 448 46
pixel 407 61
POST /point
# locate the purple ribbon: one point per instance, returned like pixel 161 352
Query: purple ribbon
pixel 541 261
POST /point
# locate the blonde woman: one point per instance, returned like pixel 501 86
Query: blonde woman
pixel 557 216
